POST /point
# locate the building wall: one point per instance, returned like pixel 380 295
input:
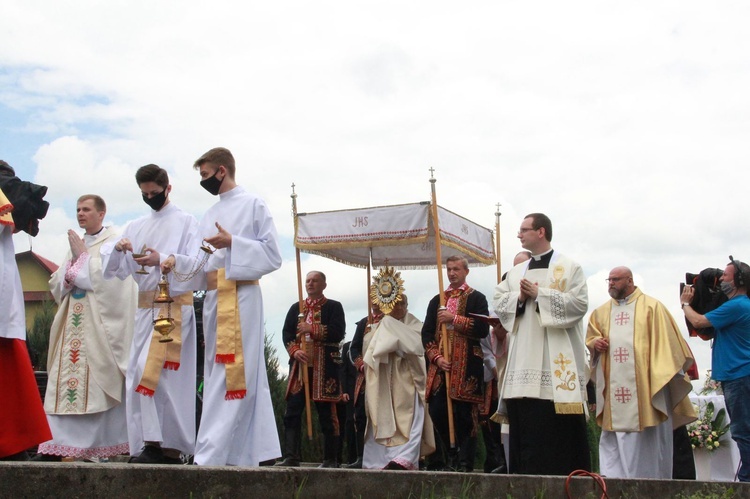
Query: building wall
pixel 35 284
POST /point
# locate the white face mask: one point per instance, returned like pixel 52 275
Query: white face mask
pixel 726 288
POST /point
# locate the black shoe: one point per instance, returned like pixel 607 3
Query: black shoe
pixel 393 465
pixel 500 470
pixel 434 466
pixel 171 460
pixel 149 455
pixel 290 462
pixel 329 463
pixel 46 458
pixel 356 465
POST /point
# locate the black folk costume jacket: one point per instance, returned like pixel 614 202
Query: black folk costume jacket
pixel 329 329
pixel 467 361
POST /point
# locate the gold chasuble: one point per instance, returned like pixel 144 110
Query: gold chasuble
pixel 646 354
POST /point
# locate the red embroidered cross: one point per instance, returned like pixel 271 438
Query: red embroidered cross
pixel 621 355
pixel 623 395
pixel 622 318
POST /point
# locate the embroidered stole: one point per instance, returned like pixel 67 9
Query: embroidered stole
pixel 563 367
pixel 623 392
pixel 73 370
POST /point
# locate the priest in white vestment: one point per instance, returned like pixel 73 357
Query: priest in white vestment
pixel 541 303
pixel 640 359
pixel 161 377
pixel 237 424
pixel 398 432
pixel 89 345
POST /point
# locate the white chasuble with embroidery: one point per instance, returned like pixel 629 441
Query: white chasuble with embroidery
pixel 90 336
pixel 528 368
pixel 546 351
pixel 623 391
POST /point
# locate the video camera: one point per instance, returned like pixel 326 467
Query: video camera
pixel 708 296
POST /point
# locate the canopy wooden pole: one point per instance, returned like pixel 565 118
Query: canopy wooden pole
pixel 369 298
pixel 497 244
pixel 445 343
pixel 300 318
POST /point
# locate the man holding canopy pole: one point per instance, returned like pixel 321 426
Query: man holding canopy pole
pixel 463 362
pixel 312 335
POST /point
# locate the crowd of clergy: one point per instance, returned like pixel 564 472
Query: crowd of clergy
pixel 407 392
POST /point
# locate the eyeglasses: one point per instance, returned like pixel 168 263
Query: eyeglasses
pixel 614 279
pixel 525 229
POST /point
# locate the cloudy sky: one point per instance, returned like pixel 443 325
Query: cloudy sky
pixel 626 122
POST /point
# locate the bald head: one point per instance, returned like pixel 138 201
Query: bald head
pixel 620 283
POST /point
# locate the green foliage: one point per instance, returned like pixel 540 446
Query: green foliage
pixel 593 432
pixel 37 340
pixel 276 382
pixel 716 492
pixel 312 450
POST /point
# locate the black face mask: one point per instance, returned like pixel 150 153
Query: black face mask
pixel 212 184
pixel 156 202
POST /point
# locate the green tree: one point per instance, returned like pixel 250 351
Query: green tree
pixel 37 339
pixel 276 382
pixel 312 450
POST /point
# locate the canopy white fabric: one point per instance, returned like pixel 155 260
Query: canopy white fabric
pixel 403 234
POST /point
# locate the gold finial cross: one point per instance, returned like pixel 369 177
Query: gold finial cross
pixel 293 193
pixel 432 170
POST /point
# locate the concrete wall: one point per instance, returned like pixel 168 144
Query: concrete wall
pixel 111 480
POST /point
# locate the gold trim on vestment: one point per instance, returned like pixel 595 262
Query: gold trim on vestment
pixel 211 281
pixel 568 408
pixel 5 210
pixel 229 332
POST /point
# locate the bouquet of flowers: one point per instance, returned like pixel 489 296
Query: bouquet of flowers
pixel 707 431
pixel 711 386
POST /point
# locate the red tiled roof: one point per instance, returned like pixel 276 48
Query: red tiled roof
pixel 37 296
pixel 49 266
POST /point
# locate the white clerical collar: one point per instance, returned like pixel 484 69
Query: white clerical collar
pixel 90 238
pixel 540 255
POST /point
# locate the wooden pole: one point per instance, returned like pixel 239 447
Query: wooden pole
pixel 369 298
pixel 446 346
pixel 497 244
pixel 302 365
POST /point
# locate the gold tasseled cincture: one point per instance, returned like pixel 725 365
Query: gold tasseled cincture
pixel 229 332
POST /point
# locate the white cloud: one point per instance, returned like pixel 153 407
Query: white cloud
pixel 625 122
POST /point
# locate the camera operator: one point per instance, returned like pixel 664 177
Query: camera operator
pixel 730 356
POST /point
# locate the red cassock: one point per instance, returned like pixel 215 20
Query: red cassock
pixel 23 422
